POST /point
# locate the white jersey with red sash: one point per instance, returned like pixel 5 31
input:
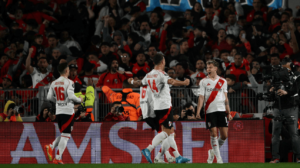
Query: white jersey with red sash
pixel 213 92
pixel 39 79
pixel 146 102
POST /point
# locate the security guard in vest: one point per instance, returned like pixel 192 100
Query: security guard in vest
pixel 84 112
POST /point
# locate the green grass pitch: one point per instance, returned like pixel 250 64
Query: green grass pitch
pixel 193 165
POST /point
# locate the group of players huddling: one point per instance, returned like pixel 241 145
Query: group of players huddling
pixel 155 102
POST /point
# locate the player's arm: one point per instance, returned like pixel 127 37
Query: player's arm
pixel 50 95
pixel 137 83
pixel 199 107
pixel 29 68
pixel 71 94
pixel 174 82
pixel 227 106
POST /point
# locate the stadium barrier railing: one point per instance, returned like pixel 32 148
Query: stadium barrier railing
pixel 122 142
pixel 243 101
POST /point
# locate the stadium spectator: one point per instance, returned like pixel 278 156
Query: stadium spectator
pixel 140 64
pixel 45 114
pixel 115 114
pixel 100 66
pixel 85 112
pixel 182 72
pixel 126 64
pixel 188 112
pixel 9 113
pixel 7 82
pixel 41 76
pixel 236 68
pixel 53 43
pixel 200 67
pixel 73 74
pixel 129 99
pixel 89 68
pixel 171 72
pixel 114 78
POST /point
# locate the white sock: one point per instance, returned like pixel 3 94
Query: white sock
pixel 55 142
pixel 165 146
pixel 221 142
pixel 171 140
pixel 62 145
pixel 168 155
pixel 157 140
pixel 215 146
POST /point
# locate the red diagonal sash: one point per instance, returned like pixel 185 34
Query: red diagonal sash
pixel 214 93
pixel 45 81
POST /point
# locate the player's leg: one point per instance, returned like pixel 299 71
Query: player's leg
pixel 160 137
pixel 167 126
pixel 49 148
pixel 211 124
pixel 66 129
pixel 223 135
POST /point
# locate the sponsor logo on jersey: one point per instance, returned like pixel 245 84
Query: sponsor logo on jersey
pixel 62 104
pixel 213 89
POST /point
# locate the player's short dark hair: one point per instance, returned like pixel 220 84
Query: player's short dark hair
pixel 116 102
pixel 158 58
pixel 231 76
pixel 62 67
pixel 213 62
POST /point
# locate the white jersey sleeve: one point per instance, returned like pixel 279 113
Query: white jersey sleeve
pixel 71 94
pixel 51 94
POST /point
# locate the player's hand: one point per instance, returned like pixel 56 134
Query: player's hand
pixel 129 80
pixel 281 92
pixel 271 90
pixel 81 99
pixel 229 117
pixel 186 82
pixel 198 117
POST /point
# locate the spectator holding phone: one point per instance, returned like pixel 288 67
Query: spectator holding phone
pixel 116 113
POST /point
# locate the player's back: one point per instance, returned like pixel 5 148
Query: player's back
pixel 59 87
pixel 146 102
pixel 158 83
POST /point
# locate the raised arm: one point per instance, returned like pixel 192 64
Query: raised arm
pixel 29 68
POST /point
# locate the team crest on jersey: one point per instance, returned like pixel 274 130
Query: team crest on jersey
pixel 48 79
pixel 147 69
pixel 170 123
pixel 116 80
pixel 209 124
pixel 107 81
pixel 220 83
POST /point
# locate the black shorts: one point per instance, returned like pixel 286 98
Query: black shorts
pixel 65 123
pixel 163 117
pixel 216 119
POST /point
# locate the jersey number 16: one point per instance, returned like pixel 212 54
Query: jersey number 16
pixel 59 91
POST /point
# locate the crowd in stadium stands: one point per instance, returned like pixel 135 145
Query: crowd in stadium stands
pixel 110 41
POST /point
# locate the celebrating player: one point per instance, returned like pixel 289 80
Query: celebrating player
pixel 159 82
pixel 62 93
pixel 213 91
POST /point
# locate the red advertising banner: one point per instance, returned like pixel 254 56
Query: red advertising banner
pixel 121 142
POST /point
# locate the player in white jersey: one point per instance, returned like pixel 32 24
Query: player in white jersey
pixel 147 107
pixel 213 91
pixel 62 93
pixel 159 82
